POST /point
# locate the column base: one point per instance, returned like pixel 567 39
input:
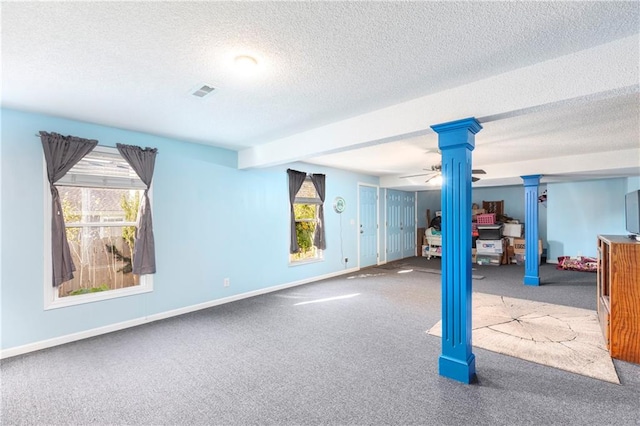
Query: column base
pixel 531 280
pixel 456 369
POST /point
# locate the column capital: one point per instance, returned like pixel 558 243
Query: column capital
pixel 459 133
pixel 470 124
pixel 531 180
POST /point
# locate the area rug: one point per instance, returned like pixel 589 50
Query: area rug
pixel 557 336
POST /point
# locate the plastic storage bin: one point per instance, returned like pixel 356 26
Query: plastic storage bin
pixel 486 219
pixel 488 259
pixel 490 232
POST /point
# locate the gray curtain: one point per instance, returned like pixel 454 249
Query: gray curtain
pixel 142 161
pixel 318 238
pixel 296 179
pixel 61 153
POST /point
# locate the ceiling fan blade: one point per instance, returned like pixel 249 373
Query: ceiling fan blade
pixel 432 177
pixel 478 172
pixel 410 176
pixel 474 179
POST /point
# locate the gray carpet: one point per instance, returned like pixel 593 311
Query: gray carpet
pixel 362 360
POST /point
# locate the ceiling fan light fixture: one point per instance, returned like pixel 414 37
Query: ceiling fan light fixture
pixel 245 63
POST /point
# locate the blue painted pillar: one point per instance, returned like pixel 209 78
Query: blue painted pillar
pixel 531 268
pixel 456 140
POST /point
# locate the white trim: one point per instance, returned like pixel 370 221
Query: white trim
pixel 385 221
pixel 56 341
pixel 377 188
pixel 418 247
pixel 145 286
pixel 300 262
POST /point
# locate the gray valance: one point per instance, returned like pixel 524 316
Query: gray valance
pixel 61 153
pixel 142 161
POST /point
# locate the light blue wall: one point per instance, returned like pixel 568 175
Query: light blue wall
pixel 211 221
pixel 633 183
pixel 431 200
pixel 577 212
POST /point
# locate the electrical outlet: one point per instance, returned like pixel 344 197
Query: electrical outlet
pixel 226 282
pixel 346 260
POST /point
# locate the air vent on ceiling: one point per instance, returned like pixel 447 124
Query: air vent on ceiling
pixel 203 91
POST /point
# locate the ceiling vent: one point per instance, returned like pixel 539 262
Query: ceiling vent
pixel 203 91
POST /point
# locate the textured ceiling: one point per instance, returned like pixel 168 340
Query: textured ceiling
pixel 132 65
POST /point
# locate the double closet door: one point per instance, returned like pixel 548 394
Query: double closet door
pixel 400 224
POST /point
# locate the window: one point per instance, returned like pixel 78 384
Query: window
pixel 305 207
pixel 100 197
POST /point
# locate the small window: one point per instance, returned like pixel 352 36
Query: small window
pixel 100 197
pixel 305 208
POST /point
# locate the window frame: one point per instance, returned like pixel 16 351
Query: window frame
pixel 319 257
pixel 51 297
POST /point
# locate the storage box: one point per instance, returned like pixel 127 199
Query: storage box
pixel 490 232
pixel 519 249
pixel 519 246
pixel 489 259
pixel 512 230
pixel 490 246
pixel 486 219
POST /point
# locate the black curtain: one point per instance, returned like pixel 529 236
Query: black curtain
pixel 296 179
pixel 319 237
pixel 142 161
pixel 61 153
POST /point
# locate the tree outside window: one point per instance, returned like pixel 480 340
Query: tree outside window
pixel 305 209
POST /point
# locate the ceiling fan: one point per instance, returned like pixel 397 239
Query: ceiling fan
pixel 436 170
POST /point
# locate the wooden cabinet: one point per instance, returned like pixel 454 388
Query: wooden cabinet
pixel 618 285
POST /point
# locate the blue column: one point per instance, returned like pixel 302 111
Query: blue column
pixel 531 268
pixel 456 140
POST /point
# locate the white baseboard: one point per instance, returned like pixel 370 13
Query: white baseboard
pixel 56 341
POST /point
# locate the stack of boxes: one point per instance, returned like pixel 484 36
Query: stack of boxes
pixel 519 248
pixel 491 247
pixel 515 233
pixel 494 243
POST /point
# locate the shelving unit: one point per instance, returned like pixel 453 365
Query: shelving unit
pixel 435 245
pixel 618 295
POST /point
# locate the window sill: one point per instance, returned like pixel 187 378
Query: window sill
pixel 81 299
pixel 305 261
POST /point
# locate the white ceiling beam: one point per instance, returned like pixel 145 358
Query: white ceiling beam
pixel 580 166
pixel 608 68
